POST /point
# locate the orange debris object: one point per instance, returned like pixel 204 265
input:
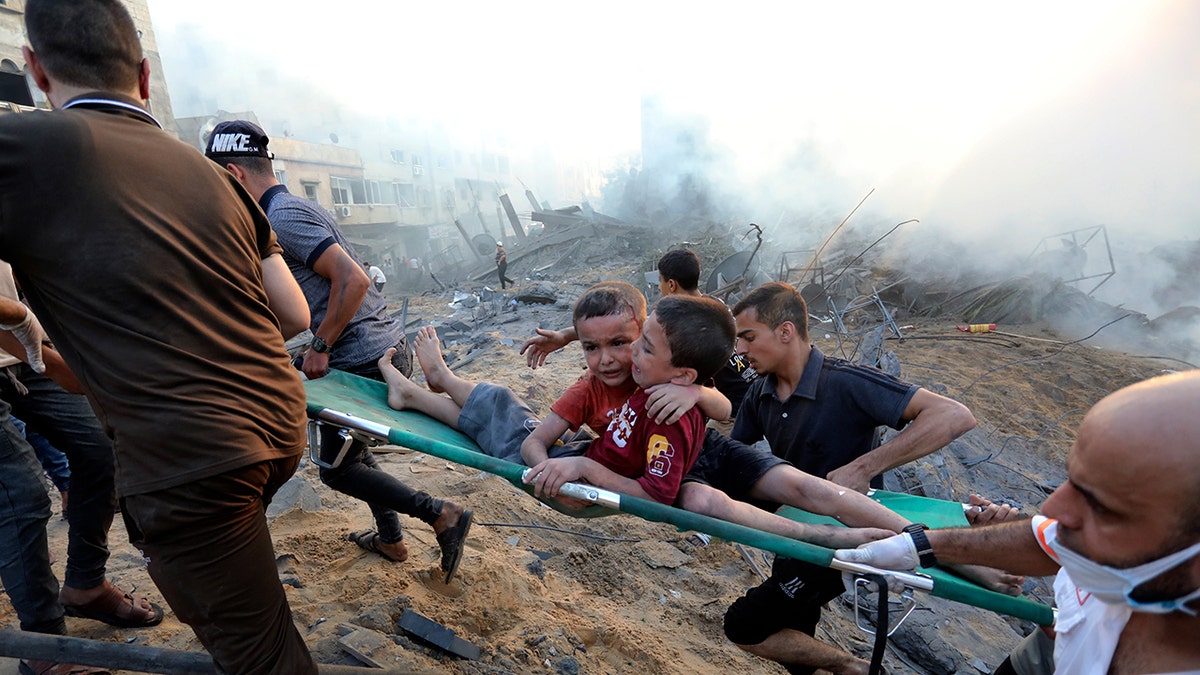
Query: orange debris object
pixel 978 328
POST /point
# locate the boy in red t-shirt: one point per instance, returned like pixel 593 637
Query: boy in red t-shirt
pixel 609 318
pixel 681 343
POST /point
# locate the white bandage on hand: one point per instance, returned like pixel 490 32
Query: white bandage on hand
pixel 31 335
pixel 894 553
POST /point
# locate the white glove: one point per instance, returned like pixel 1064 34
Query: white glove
pixel 894 553
pixel 29 331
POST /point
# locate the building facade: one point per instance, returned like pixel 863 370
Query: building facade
pixel 15 98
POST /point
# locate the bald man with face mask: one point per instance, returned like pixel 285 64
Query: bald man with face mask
pixel 1122 533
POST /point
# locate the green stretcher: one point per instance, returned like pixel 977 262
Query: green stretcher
pixel 360 404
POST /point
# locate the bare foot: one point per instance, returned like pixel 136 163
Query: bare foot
pixel 992 578
pixel 429 355
pixel 400 388
pixel 985 512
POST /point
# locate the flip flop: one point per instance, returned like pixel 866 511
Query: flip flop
pixel 52 668
pixel 368 540
pixel 452 540
pixel 107 608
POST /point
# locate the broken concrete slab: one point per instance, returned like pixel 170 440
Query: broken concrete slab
pixel 371 647
pixel 541 293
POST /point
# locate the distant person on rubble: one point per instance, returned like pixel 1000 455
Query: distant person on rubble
pixel 376 275
pixel 351 330
pixel 170 323
pixel 502 265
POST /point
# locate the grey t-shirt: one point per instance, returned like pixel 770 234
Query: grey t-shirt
pixel 304 232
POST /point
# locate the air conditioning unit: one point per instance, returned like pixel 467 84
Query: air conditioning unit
pixel 345 211
pixel 417 170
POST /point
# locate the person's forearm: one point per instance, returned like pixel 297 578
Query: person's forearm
pixel 56 368
pixel 849 507
pixel 602 477
pixel 930 431
pixel 535 449
pixel 345 297
pixel 714 404
pixel 284 296
pixel 533 452
pixel 1009 546
pixel 11 311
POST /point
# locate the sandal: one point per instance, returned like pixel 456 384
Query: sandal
pixel 118 608
pixel 369 540
pixel 452 540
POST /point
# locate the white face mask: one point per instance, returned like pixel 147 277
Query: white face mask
pixel 1113 585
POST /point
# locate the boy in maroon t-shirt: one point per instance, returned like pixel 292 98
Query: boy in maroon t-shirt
pixel 609 318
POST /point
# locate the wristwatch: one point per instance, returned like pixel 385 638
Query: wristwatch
pixel 921 541
pixel 320 346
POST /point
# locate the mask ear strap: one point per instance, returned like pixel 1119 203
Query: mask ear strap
pixel 1168 562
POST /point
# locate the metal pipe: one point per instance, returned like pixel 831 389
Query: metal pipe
pixel 121 656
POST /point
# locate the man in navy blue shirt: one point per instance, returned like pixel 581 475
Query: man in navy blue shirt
pixel 820 414
pixel 352 331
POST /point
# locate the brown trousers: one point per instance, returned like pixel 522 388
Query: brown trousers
pixel 210 554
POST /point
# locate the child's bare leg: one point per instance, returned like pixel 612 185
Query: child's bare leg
pixel 404 394
pixel 438 375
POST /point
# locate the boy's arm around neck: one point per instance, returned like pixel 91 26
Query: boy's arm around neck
pixel 668 402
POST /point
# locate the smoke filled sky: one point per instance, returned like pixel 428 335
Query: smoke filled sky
pixel 1002 122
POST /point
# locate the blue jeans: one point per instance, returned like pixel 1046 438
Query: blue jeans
pixel 67 421
pixel 54 462
pixel 25 555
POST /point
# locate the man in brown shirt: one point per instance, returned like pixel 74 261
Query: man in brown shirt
pixel 165 318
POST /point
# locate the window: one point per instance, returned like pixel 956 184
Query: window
pixel 14 86
pixel 405 195
pixel 380 193
pixel 448 198
pixel 348 190
pixel 341 190
pixel 398 156
pixel 310 190
pixel 281 176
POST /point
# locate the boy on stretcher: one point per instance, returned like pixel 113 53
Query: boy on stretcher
pixel 635 454
pixel 631 367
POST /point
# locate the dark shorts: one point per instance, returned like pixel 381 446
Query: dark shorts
pixel 730 466
pixel 791 598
